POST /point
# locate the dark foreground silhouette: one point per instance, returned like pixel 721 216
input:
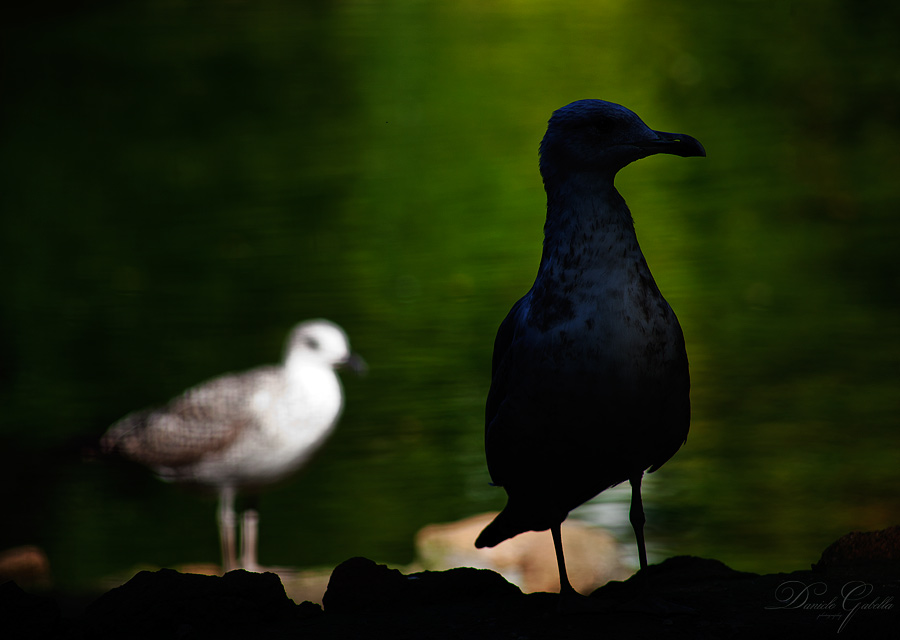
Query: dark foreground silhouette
pixel 852 592
pixel 589 373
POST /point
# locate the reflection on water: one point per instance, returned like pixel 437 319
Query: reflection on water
pixel 179 186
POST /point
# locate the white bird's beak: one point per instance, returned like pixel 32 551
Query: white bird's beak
pixel 355 363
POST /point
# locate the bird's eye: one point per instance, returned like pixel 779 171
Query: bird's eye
pixel 311 342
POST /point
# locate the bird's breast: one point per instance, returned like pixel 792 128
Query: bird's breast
pixel 613 314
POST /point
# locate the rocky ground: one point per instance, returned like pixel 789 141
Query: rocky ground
pixel 852 592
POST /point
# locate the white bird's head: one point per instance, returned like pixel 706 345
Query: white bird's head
pixel 323 342
pixel 596 136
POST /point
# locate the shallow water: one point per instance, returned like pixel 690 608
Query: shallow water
pixel 181 185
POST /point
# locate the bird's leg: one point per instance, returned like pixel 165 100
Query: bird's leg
pixel 570 601
pixel 250 536
pixel 652 604
pixel 565 587
pixel 227 522
pixel 637 517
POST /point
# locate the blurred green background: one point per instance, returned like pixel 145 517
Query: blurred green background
pixel 182 181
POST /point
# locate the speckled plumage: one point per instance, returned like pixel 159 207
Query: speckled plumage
pixel 590 383
pixel 246 430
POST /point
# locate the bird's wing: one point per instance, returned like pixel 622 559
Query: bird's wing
pixel 568 431
pixel 505 336
pixel 200 422
pixel 675 407
pixel 501 361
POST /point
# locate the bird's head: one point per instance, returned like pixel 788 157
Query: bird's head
pixel 601 137
pixel 323 342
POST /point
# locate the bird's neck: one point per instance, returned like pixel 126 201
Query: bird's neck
pixel 317 383
pixel 589 229
pixel 298 366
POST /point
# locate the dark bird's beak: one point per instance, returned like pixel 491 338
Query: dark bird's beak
pixel 356 364
pixel 678 144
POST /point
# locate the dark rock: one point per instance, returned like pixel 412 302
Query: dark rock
pixel 459 586
pixel 682 597
pixel 359 585
pixel 878 551
pixel 168 604
pixel 25 616
pixel 686 597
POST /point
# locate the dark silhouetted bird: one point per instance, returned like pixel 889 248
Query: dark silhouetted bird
pixel 244 431
pixel 590 383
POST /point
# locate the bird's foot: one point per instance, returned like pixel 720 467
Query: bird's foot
pixel 572 602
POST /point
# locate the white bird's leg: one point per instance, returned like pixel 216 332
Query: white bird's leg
pixel 637 517
pixel 249 537
pixel 227 524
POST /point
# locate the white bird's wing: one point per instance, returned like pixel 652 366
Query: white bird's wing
pixel 201 422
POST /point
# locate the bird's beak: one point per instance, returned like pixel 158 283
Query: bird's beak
pixel 356 363
pixel 678 144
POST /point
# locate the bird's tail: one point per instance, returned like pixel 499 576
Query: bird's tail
pixel 508 523
pixel 494 533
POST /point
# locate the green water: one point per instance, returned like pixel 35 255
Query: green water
pixel 181 182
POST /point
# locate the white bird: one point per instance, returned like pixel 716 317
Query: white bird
pixel 590 383
pixel 244 431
